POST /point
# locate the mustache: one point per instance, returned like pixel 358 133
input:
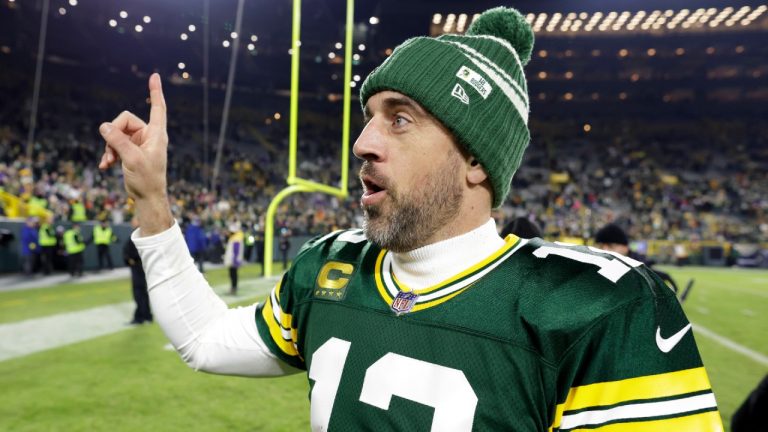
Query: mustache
pixel 368 170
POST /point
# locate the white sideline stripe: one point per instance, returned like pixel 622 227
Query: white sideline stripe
pixel 733 346
pixel 39 334
pixel 640 410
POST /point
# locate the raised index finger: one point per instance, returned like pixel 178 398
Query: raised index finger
pixel 157 101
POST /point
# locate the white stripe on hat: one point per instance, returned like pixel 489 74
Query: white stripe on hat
pixel 498 69
pixel 517 102
pixel 504 42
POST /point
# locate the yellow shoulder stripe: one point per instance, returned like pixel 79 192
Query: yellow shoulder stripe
pixel 703 422
pixel 275 330
pixel 645 387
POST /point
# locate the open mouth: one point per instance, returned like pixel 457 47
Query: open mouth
pixel 373 190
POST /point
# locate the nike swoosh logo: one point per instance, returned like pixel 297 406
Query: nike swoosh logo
pixel 666 345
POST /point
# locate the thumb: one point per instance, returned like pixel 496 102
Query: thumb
pixel 119 142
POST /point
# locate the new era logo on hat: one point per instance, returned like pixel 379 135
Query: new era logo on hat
pixel 459 93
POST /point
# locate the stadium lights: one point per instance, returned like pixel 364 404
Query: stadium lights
pixel 251 47
pixel 225 43
pixel 462 22
pixel 73 3
pixel 184 36
pixel 373 20
pixel 185 75
pixel 233 35
pixel 147 19
pixel 352 84
pixel 356 78
pixel 356 57
pixel 113 23
pixel 138 28
pixel 361 47
pixel 62 11
pixel 123 14
pixel 254 38
pixel 331 55
pixel 338 45
pixel 192 28
pixel 437 18
pixel 181 65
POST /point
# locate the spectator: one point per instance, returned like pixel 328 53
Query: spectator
pixel 29 246
pixel 233 254
pixel 48 240
pixel 102 238
pixel 196 242
pixel 74 246
pixel 143 313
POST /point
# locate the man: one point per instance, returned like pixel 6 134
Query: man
pixel 29 246
pixel 48 240
pixel 102 238
pixel 143 313
pixel 427 303
pixel 233 254
pixel 613 238
pixel 74 245
pixel 196 241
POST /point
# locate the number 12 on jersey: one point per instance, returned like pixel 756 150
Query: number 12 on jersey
pixel 445 389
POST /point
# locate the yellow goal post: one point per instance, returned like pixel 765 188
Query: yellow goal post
pixel 296 184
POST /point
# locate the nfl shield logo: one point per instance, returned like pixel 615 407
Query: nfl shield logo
pixel 404 302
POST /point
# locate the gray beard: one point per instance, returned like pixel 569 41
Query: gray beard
pixel 415 217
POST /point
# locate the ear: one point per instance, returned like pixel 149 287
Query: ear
pixel 475 172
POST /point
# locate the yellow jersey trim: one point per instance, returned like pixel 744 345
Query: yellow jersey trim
pixel 645 387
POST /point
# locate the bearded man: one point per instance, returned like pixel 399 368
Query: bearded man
pixel 469 330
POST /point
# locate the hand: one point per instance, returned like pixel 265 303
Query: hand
pixel 143 149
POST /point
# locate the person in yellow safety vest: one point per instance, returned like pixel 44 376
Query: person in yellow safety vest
pixel 47 240
pixel 74 245
pixel 102 238
pixel 77 211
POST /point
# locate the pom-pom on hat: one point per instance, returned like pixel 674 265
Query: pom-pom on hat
pixel 473 84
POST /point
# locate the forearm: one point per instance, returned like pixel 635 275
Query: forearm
pixel 207 335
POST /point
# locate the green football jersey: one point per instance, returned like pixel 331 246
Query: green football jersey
pixel 536 337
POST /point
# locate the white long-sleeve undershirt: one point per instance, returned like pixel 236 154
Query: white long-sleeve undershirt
pixel 213 338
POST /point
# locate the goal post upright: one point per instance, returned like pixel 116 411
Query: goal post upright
pixel 296 184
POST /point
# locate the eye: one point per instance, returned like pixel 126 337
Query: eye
pixel 400 121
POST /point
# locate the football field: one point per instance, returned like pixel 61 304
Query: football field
pixel 68 363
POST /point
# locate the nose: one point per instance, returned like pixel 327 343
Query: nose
pixel 369 145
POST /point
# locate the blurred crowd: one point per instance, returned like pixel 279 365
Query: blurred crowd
pixel 667 181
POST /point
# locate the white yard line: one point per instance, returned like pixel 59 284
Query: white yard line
pixel 731 345
pixel 39 334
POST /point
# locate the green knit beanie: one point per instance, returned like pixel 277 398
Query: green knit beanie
pixel 474 84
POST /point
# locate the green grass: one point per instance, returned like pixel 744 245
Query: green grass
pixel 732 303
pixel 128 381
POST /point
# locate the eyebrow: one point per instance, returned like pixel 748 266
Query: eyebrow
pixel 393 102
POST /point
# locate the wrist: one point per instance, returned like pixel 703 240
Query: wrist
pixel 154 215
